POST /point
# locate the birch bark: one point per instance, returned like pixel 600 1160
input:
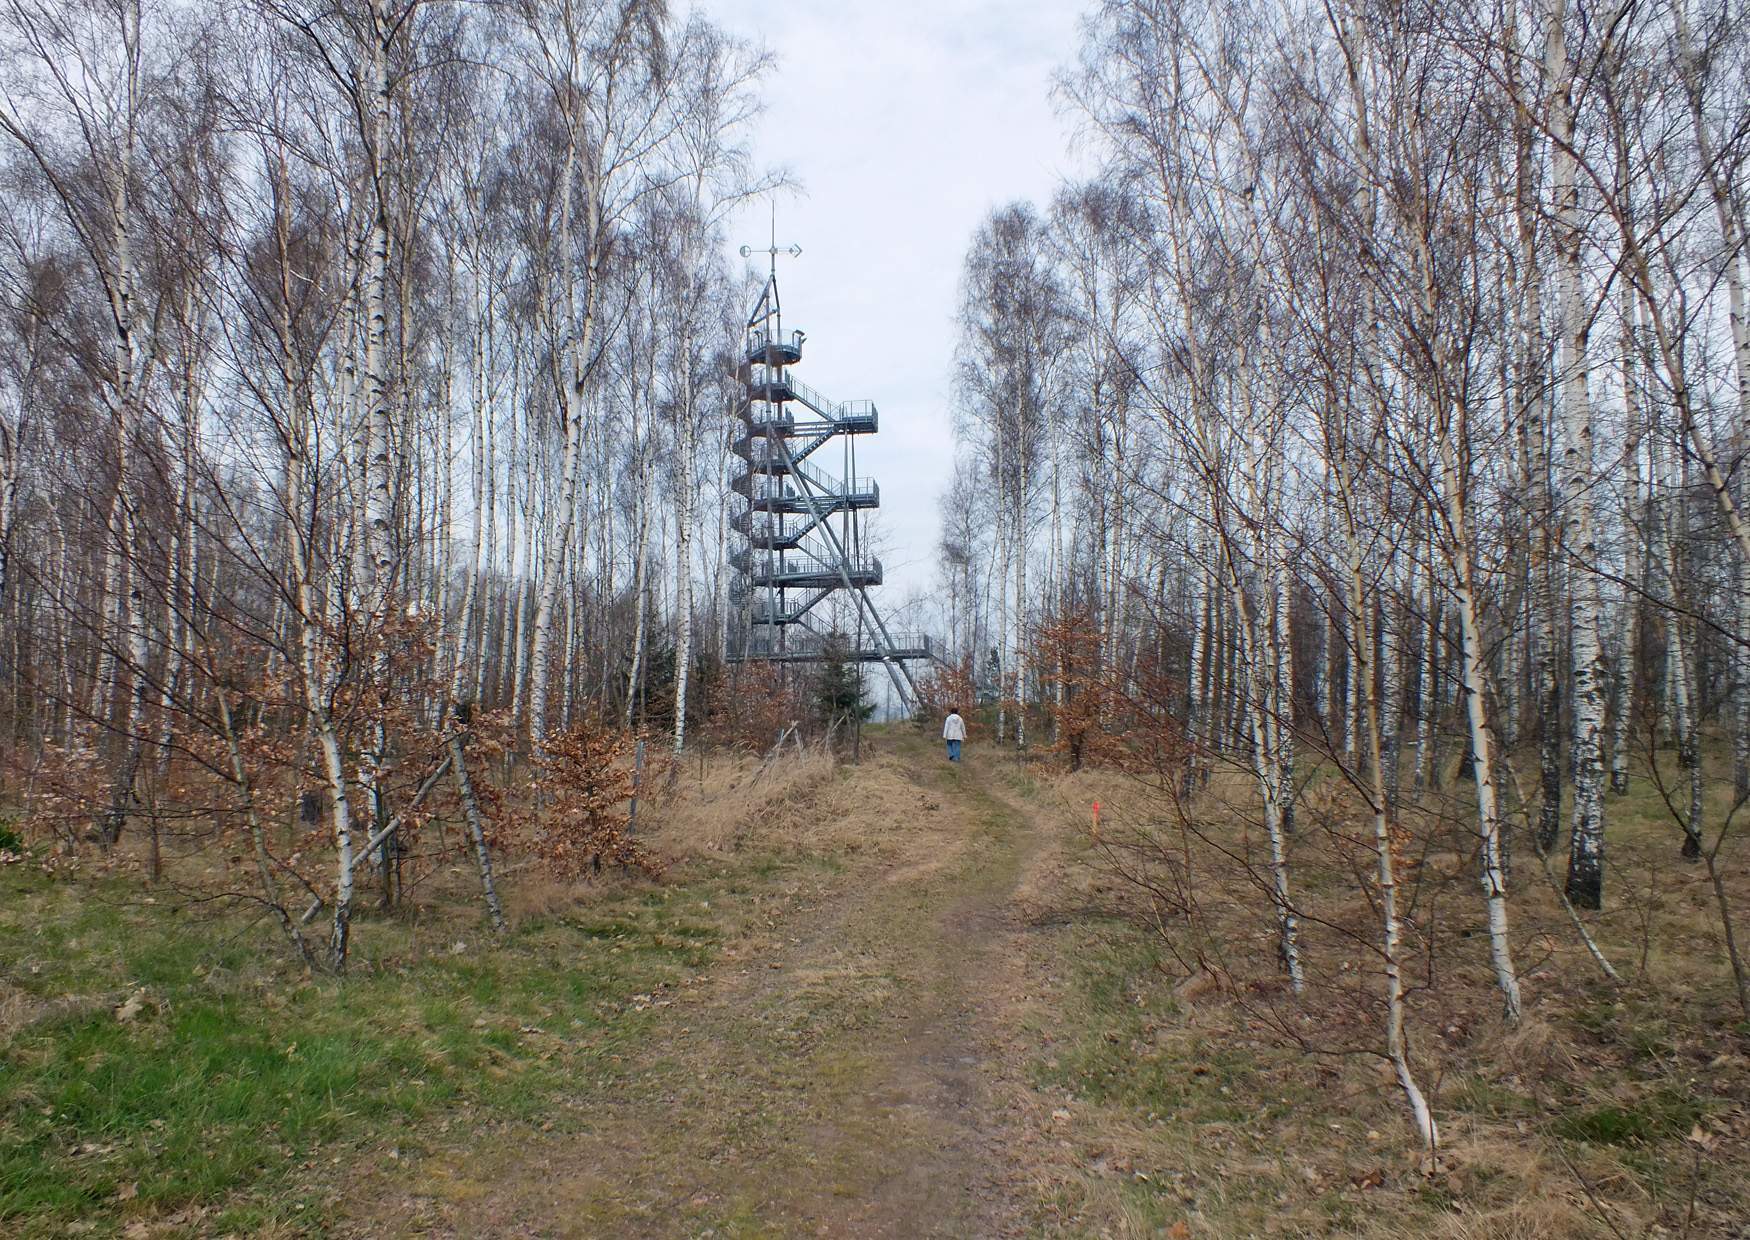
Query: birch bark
pixel 1450 421
pixel 1585 885
pixel 1634 532
pixel 1379 803
pixel 581 323
pixel 686 432
pixel 1727 211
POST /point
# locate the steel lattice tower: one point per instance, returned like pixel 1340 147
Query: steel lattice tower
pixel 801 533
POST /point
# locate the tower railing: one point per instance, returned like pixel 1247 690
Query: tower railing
pixel 856 417
pixel 803 645
pixel 797 565
pixel 764 488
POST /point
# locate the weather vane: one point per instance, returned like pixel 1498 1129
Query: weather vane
pixel 794 251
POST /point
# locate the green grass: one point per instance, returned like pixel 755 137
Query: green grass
pixel 237 1072
pixel 1663 1114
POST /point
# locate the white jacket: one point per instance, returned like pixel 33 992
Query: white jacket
pixel 953 728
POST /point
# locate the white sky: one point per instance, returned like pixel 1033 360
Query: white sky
pixel 905 122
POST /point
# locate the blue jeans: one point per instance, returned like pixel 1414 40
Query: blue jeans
pixel 953 751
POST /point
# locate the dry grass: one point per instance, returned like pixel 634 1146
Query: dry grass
pixel 532 896
pixel 811 802
pixel 1539 1218
pixel 1606 1111
pixel 723 804
pixel 18 1008
pixel 729 802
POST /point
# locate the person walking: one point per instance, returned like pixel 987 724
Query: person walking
pixel 954 732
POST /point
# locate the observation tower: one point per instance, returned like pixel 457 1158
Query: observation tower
pixel 801 533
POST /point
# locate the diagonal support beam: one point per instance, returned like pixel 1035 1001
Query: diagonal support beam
pixel 896 668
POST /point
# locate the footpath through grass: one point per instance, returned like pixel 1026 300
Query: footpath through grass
pixel 161 1066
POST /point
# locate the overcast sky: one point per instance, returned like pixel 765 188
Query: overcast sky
pixel 905 122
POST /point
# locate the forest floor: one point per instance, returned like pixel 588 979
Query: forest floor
pixel 896 1001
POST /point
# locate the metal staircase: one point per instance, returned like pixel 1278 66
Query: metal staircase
pixel 801 529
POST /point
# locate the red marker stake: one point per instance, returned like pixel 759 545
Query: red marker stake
pixel 1096 820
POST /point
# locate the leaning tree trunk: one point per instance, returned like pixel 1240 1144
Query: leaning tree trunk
pixel 1475 676
pixel 1453 526
pixel 474 819
pixel 1379 803
pixel 1258 636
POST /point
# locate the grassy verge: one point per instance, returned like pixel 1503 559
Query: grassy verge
pixel 160 1066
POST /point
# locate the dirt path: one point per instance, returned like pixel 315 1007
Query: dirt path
pixel 847 1070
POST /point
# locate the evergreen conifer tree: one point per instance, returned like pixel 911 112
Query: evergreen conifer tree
pixel 840 696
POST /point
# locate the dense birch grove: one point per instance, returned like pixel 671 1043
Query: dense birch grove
pixel 1375 412
pixel 363 392
pixel 1353 457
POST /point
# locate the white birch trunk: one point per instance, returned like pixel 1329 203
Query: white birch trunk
pixel 182 560
pixel 1018 669
pixel 380 469
pixel 515 653
pixel 687 467
pixel 1257 637
pixel 640 567
pixel 1633 571
pixel 315 673
pixel 1427 699
pixel 1585 885
pixel 1351 705
pixel 1196 672
pixel 131 596
pixel 1475 677
pixel 580 324
pixel 10 456
pixel 1006 545
pixel 1396 1041
pixel 555 543
pixel 1455 534
pixel 1727 212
